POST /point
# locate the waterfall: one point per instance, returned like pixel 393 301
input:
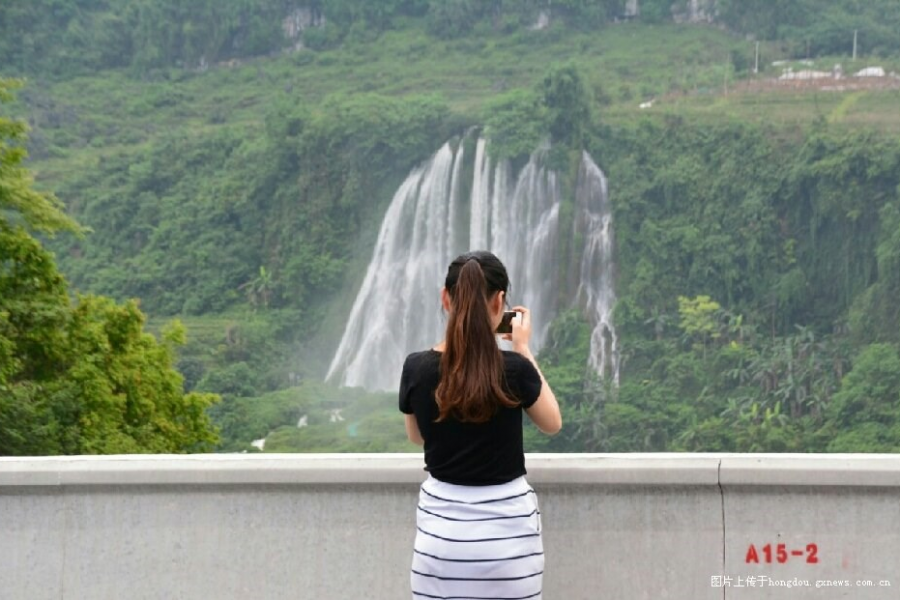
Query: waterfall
pixel 397 308
pixel 429 222
pixel 596 294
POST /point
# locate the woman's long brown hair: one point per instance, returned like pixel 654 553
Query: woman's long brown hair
pixel 472 383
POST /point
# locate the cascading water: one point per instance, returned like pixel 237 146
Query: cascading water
pixel 428 223
pixel 398 307
pixel 519 226
pixel 596 294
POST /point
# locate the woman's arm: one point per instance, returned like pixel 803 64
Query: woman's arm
pixel 412 431
pixel 545 411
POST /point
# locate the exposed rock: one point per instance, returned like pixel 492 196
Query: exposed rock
pixel 694 11
pixel 299 21
pixel 542 21
pixel 632 9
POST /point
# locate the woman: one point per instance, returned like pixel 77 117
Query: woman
pixel 478 521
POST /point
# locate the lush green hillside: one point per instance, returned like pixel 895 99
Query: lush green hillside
pixel 77 375
pixel 243 192
pixel 65 37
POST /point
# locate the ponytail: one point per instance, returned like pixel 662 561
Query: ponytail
pixel 472 382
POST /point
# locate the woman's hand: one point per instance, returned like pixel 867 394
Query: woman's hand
pixel 521 330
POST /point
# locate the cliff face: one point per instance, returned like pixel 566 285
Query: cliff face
pixel 298 21
pixel 694 11
pixel 683 11
pixel 632 9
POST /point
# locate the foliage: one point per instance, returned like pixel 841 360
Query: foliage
pixel 698 316
pixel 246 199
pixel 655 11
pixel 563 361
pixel 515 124
pixel 22 206
pixel 782 236
pixel 875 314
pixel 313 417
pixel 866 411
pixel 75 37
pixel 198 224
pixel 83 377
pixel 817 27
pixel 568 103
pixel 451 18
pixel 558 110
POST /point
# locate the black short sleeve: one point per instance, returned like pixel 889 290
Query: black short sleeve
pixel 405 385
pixel 467 453
pixel 529 383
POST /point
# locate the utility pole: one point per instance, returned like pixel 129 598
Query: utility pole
pixel 756 63
pixel 855 31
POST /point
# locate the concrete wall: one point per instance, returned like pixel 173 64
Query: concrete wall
pixel 618 526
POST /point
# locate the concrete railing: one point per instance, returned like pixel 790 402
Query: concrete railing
pixel 616 526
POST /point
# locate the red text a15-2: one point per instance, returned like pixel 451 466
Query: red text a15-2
pixel 781 554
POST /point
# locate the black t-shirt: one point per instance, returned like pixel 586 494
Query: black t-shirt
pixel 488 453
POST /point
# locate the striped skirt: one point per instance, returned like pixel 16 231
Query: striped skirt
pixel 477 542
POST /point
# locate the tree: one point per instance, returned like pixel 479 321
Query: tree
pixel 452 18
pixel 515 124
pixel 569 106
pixel 20 204
pixel 868 402
pixel 875 313
pixel 699 317
pixel 77 377
pixel 259 289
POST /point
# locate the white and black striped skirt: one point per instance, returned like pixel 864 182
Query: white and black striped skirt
pixel 477 542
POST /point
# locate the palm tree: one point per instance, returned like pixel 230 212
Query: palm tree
pixel 259 289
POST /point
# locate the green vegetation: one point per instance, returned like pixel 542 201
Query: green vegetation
pixel 66 37
pixel 77 377
pixel 816 27
pixel 239 186
pixel 748 280
pixel 198 224
pixel 313 417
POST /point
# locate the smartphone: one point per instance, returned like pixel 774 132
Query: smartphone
pixel 505 325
